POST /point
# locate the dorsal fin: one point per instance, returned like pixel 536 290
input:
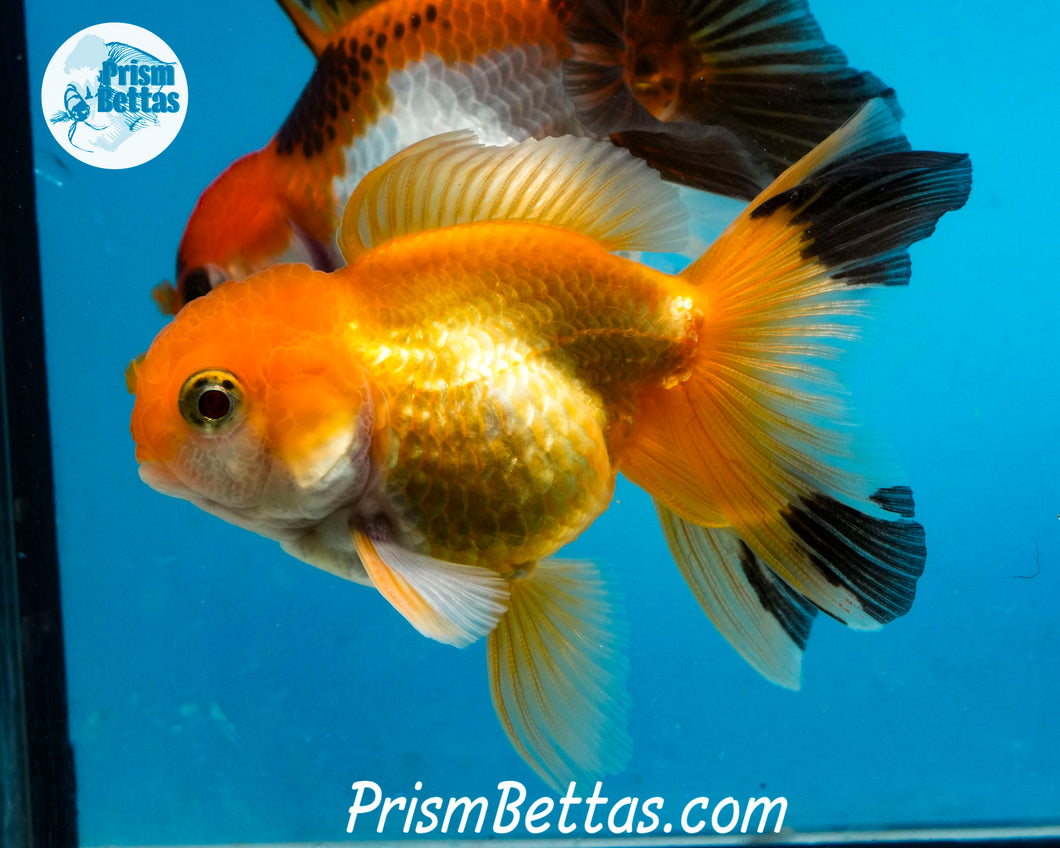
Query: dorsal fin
pixel 317 21
pixel 580 184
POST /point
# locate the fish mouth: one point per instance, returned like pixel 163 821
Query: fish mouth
pixel 162 480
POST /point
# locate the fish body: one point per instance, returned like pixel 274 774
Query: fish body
pixel 462 354
pixel 438 418
pixel 719 97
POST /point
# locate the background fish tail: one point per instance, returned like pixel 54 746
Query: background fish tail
pixel 715 94
pixel 763 500
pixel 557 670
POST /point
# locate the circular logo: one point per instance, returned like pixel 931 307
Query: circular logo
pixel 114 95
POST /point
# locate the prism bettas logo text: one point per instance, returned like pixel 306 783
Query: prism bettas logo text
pixel 114 95
pixel 146 86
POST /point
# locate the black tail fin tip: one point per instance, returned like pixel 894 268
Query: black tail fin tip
pixel 763 71
pixel 862 212
pixel 877 559
pixel 896 499
pixel 791 610
pixel 763 618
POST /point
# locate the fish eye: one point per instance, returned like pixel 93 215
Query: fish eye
pixel 210 399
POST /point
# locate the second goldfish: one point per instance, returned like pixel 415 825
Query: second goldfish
pixel 719 96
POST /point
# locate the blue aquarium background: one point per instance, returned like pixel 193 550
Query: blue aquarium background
pixel 221 691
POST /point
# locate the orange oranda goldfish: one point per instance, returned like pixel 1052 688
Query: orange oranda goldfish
pixel 719 96
pixel 439 417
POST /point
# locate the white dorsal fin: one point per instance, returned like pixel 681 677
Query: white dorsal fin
pixel 579 184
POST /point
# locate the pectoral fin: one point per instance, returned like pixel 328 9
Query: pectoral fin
pixel 451 603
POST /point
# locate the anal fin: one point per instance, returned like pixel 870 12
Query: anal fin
pixel 557 675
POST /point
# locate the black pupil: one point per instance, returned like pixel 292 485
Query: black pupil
pixel 214 404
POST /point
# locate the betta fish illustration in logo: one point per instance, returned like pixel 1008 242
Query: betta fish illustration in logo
pixel 114 95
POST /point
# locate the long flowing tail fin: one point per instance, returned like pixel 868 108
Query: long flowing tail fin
pixel 749 459
pixel 677 81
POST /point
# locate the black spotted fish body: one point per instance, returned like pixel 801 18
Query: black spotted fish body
pixel 718 97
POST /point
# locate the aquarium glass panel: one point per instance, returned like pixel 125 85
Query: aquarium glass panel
pixel 223 691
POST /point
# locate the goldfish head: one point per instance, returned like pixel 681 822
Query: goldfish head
pixel 241 225
pixel 251 405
